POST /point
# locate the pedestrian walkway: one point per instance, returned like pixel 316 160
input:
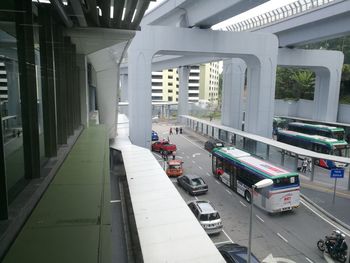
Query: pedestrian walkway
pixel 71 222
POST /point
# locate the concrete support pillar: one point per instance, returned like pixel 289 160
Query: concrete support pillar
pixel 261 78
pixel 184 73
pixel 140 97
pixel 107 83
pixel 326 98
pixel 84 90
pixel 232 93
pixel 124 87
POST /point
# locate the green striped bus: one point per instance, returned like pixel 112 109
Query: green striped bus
pixel 316 143
pixel 318 129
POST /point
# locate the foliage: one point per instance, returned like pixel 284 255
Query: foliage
pixel 294 84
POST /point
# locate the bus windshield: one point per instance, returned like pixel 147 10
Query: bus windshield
pixel 340 151
pixel 279 182
pixel 339 135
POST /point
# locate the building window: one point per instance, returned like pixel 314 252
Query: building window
pixel 170 83
pixel 157 84
pixel 170 77
pixel 170 98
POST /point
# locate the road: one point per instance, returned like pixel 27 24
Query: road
pixel 291 235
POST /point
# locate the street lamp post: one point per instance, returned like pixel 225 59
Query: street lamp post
pixel 261 184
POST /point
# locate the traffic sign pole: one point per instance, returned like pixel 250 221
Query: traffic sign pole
pixel 335 187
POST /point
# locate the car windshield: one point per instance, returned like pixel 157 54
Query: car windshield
pixel 218 144
pixel 197 181
pixel 209 217
pixel 175 166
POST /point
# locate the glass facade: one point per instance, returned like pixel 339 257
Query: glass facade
pixel 11 115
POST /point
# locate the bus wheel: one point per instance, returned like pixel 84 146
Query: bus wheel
pixel 247 196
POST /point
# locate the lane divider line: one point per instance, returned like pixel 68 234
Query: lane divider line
pixel 243 204
pixel 223 231
pixel 283 238
pixel 208 174
pixel 262 220
pixel 200 167
pixel 115 201
pixel 309 260
pixel 217 182
pixel 228 192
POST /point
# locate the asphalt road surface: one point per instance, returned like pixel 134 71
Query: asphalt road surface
pixel 289 236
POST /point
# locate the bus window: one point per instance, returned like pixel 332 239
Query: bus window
pixel 280 182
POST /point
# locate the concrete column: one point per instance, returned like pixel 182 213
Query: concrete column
pixel 232 93
pixel 184 73
pixel 261 78
pixel 326 98
pixel 84 90
pixel 107 82
pixel 140 97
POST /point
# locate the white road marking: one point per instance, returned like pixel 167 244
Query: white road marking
pixel 243 204
pixel 194 155
pixel 196 197
pixel 223 231
pixel 178 157
pixel 115 201
pixel 228 192
pixel 200 167
pixel 208 174
pixel 326 220
pixel 194 143
pixel 309 260
pixel 284 239
pixel 262 220
pixel 217 182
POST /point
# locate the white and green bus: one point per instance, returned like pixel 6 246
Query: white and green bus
pixel 239 171
pixel 317 129
pixel 318 144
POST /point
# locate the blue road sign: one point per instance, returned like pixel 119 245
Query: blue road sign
pixel 337 173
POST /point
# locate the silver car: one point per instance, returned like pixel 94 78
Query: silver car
pixel 193 184
pixel 207 216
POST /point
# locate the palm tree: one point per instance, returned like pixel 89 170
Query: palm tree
pixel 304 82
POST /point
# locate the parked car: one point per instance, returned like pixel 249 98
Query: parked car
pixel 235 253
pixel 193 184
pixel 213 143
pixel 174 168
pixel 155 136
pixel 163 146
pixel 207 216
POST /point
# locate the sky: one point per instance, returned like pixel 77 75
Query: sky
pixel 268 6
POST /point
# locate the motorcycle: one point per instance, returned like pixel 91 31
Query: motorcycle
pixel 329 244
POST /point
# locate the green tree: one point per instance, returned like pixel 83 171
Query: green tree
pixel 304 83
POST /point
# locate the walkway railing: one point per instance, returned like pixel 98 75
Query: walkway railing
pixel 278 14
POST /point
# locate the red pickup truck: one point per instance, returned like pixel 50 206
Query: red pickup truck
pixel 163 146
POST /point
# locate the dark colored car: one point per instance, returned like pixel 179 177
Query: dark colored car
pixel 235 253
pixel 213 143
pixel 193 184
pixel 155 136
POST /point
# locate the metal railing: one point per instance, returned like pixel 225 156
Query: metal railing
pixel 278 14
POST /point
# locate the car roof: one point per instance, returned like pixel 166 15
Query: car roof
pixel 205 207
pixel 192 176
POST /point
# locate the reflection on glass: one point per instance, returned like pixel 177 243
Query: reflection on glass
pixel 11 115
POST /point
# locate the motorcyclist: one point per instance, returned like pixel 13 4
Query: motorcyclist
pixel 337 239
